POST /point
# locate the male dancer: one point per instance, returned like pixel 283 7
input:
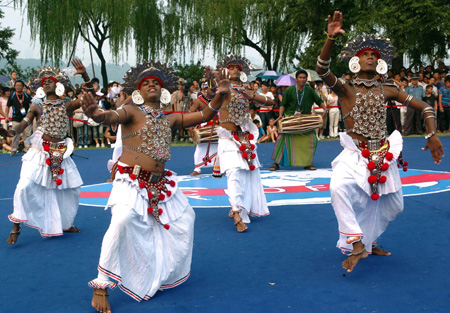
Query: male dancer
pixel 297 149
pixel 366 191
pixel 205 153
pixel 237 157
pixel 148 245
pixel 48 192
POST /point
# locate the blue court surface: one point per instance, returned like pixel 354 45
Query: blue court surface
pixel 285 262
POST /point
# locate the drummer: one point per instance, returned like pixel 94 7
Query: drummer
pixel 297 149
pixel 205 153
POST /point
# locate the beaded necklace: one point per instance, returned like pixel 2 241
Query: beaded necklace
pixel 369 113
pixel 54 120
pixel 238 109
pixel 155 134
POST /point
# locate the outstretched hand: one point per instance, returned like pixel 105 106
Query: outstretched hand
pixel 78 66
pixel 436 149
pixel 90 107
pixel 335 24
pixel 223 81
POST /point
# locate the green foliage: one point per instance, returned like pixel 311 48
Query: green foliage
pixel 23 74
pixel 6 52
pixel 189 72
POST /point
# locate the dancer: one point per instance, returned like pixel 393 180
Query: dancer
pixel 205 153
pixel 237 157
pixel 148 245
pixel 297 149
pixel 366 191
pixel 48 192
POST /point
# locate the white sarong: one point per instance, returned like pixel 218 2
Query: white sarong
pixel 200 153
pixel 356 212
pixel 38 201
pixel 140 253
pixel 244 188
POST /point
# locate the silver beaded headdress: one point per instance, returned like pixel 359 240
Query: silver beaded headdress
pixel 371 41
pixel 231 59
pixel 49 71
pixel 161 72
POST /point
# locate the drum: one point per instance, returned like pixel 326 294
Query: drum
pixel 299 123
pixel 202 134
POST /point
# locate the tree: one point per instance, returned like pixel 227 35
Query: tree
pixel 6 52
pixel 228 26
pixel 58 24
pixel 189 72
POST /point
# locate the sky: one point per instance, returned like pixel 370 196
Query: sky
pixel 16 19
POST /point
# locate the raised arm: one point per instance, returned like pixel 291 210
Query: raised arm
pixel 180 120
pixel 81 70
pixel 324 59
pixel 92 110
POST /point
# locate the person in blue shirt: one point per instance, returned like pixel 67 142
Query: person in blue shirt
pixel 413 121
pixel 444 108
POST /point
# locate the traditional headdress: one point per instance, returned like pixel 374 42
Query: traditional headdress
pixel 54 73
pixel 375 42
pixel 241 62
pixel 59 77
pixel 156 70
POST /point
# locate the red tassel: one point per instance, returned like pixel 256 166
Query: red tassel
pixel 382 179
pixel 251 137
pixel 236 137
pixel 141 185
pixel 385 167
pixel 161 197
pixel 372 179
pixel 121 170
pixel 169 193
pixel 168 173
pixel 58 181
pixel 252 167
pixel 252 147
pixel 389 156
pixel 172 183
pixel 253 155
pixel 150 195
pixel 242 148
pixel 132 176
pixel 61 171
pixel 48 162
pixel 166 226
pixel 160 211
pixel 365 153
pixel 46 147
pixel 398 165
pixel 371 165
pixel 150 210
pixel 404 169
pixel 405 163
pixel 375 196
pixel 244 155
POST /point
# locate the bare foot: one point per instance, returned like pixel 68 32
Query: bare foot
pixel 376 250
pixel 194 173
pixel 231 214
pixel 100 301
pixel 358 253
pixel 12 238
pixel 72 229
pixel 241 227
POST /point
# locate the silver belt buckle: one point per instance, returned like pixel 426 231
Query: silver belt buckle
pixel 154 178
pixel 137 170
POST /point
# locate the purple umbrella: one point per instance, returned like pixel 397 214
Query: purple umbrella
pixel 285 80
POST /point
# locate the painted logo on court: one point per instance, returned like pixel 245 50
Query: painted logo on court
pixel 280 187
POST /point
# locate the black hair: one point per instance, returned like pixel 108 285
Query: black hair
pixel 95 80
pixel 447 79
pixel 301 71
pixel 255 121
pixel 19 81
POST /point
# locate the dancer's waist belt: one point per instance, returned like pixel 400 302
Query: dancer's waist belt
pixel 370 144
pixel 141 175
